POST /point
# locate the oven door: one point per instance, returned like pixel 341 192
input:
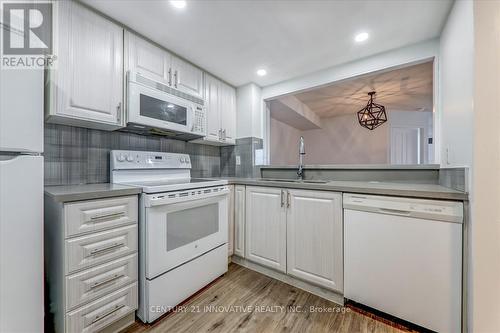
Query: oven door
pixel 155 108
pixel 179 232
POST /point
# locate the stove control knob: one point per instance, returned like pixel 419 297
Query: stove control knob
pixel 181 159
pixel 187 159
pixel 120 158
pixel 130 158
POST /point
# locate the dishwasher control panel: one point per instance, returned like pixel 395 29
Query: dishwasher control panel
pixel 448 211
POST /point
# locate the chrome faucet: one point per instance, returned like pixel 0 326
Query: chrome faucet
pixel 302 152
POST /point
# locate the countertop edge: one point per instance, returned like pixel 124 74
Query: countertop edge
pixel 411 193
pixel 82 194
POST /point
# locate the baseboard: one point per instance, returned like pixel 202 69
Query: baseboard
pixel 311 288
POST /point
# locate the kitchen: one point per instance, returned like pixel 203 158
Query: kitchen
pixel 230 176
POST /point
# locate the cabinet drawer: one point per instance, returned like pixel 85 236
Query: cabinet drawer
pixel 85 251
pixel 103 312
pixel 90 216
pixel 99 281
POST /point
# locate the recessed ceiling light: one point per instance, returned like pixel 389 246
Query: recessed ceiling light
pixel 179 4
pixel 261 72
pixel 361 37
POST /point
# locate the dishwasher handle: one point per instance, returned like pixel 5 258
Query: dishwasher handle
pixel 394 211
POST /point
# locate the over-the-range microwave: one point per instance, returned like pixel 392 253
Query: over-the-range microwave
pixel 155 108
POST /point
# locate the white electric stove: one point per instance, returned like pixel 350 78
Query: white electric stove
pixel 182 227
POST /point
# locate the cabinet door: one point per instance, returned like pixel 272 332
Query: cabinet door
pixel 266 227
pixel 239 220
pixel 228 113
pixel 212 104
pixel 89 77
pixel 147 58
pixel 187 78
pixel 230 219
pixel 314 237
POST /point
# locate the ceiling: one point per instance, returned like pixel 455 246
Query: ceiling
pixel 404 89
pixel 289 38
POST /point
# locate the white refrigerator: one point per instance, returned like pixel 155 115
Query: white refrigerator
pixel 21 201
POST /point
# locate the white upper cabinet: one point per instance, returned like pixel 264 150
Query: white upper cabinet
pixel 266 227
pixel 314 237
pixel 158 64
pixel 86 88
pixel 212 92
pixel 147 58
pixel 228 113
pixel 187 78
pixel 220 103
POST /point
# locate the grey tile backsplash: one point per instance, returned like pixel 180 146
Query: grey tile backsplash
pixel 76 155
pixel 245 148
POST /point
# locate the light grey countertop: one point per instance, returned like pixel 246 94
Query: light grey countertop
pixel 427 191
pixel 67 193
pixel 357 166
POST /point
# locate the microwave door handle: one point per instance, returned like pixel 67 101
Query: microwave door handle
pixel 176 78
pixel 170 76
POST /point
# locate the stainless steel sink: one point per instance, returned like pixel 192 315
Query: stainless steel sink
pixel 311 181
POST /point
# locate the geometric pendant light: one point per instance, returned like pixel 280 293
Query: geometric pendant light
pixel 372 115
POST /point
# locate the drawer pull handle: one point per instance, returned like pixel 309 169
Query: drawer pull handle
pixel 107 248
pixel 106 281
pixel 106 216
pixel 106 314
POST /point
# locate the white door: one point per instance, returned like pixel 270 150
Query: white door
pixel 314 237
pixel 187 78
pixel 405 145
pixel 228 113
pixel 179 232
pixel 147 58
pixel 21 110
pixel 266 227
pixel 239 220
pixel 21 244
pixel 212 103
pixel 90 65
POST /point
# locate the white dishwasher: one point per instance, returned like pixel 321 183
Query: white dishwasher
pixel 403 257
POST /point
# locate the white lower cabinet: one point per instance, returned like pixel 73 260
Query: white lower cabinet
pixel 266 227
pixel 239 220
pixel 297 232
pixel 314 237
pixel 105 311
pixel 230 222
pixel 91 263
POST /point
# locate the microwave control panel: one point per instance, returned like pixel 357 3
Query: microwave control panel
pixel 199 120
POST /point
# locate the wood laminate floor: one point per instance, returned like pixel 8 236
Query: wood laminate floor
pixel 247 301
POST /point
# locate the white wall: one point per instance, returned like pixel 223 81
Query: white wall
pixel 285 143
pixel 484 294
pixel 341 140
pixel 456 56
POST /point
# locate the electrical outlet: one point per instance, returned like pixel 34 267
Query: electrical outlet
pixel 238 160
